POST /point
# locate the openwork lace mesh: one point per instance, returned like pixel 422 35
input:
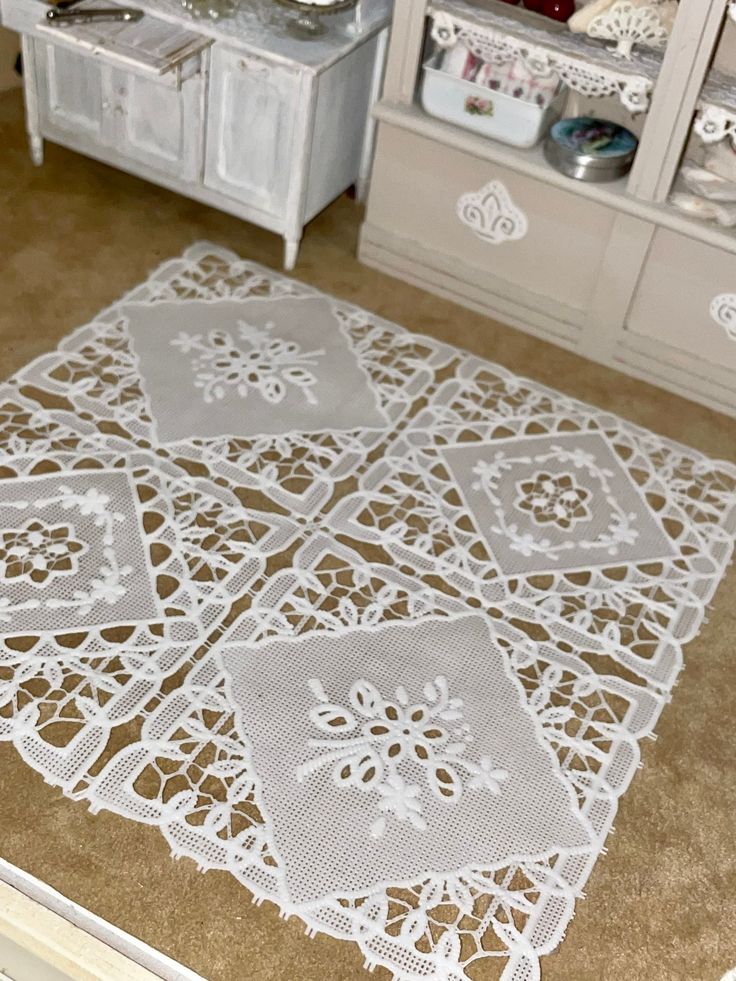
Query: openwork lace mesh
pixel 150 575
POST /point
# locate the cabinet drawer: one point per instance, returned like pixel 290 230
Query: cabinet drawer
pixel 523 239
pixel 250 128
pixel 681 310
pixel 149 47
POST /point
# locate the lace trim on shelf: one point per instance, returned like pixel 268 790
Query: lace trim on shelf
pixel 716 115
pixel 586 66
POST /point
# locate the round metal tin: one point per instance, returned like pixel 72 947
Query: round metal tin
pixel 589 149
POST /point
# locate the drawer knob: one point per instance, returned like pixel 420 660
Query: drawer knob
pixel 491 214
pixel 723 311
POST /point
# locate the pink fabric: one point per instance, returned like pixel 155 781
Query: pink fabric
pixel 516 80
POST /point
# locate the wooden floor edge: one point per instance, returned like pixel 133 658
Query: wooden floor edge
pixel 60 944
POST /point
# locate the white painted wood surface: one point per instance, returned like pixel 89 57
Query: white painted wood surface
pixel 72 92
pixel 674 295
pixel 30 95
pixel 306 111
pixel 143 119
pixel 625 256
pixel 150 45
pixel 263 133
pixel 249 31
pixel 405 51
pixel 421 184
pixel 73 89
pixel 369 137
pixel 684 69
pixel 252 108
pixel 63 935
pixel 156 124
pixel 453 278
pixel 533 164
pixel 342 89
pixel 37 944
pixel 18 964
pixel 259 26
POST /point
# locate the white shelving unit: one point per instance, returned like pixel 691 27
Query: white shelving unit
pixel 613 271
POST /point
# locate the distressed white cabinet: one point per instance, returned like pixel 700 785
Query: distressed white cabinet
pixel 233 113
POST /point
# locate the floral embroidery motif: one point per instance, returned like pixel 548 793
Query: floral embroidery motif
pixel 549 498
pixel 36 552
pixel 267 366
pixel 554 498
pixel 385 736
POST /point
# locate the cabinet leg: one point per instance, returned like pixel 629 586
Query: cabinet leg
pixel 291 250
pixel 35 144
pixel 30 92
pixel 361 189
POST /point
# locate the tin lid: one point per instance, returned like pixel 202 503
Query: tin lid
pixel 593 143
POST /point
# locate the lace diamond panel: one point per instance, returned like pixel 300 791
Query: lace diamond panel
pixel 216 383
pixel 422 760
pixel 512 491
pixel 113 570
pixel 270 564
pixel 441 922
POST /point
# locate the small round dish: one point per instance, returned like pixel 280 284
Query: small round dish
pixel 589 149
pixel 308 23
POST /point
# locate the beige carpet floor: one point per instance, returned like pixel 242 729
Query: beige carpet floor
pixel 661 905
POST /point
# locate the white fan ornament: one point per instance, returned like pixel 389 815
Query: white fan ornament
pixel 627 22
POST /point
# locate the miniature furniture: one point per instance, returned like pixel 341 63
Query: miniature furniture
pixel 235 113
pixel 611 270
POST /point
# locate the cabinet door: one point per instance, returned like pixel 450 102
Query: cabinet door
pixel 73 93
pixel 158 125
pixel 250 126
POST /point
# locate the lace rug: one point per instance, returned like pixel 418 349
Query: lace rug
pixel 369 623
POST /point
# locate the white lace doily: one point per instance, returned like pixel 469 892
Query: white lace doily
pixel 371 624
